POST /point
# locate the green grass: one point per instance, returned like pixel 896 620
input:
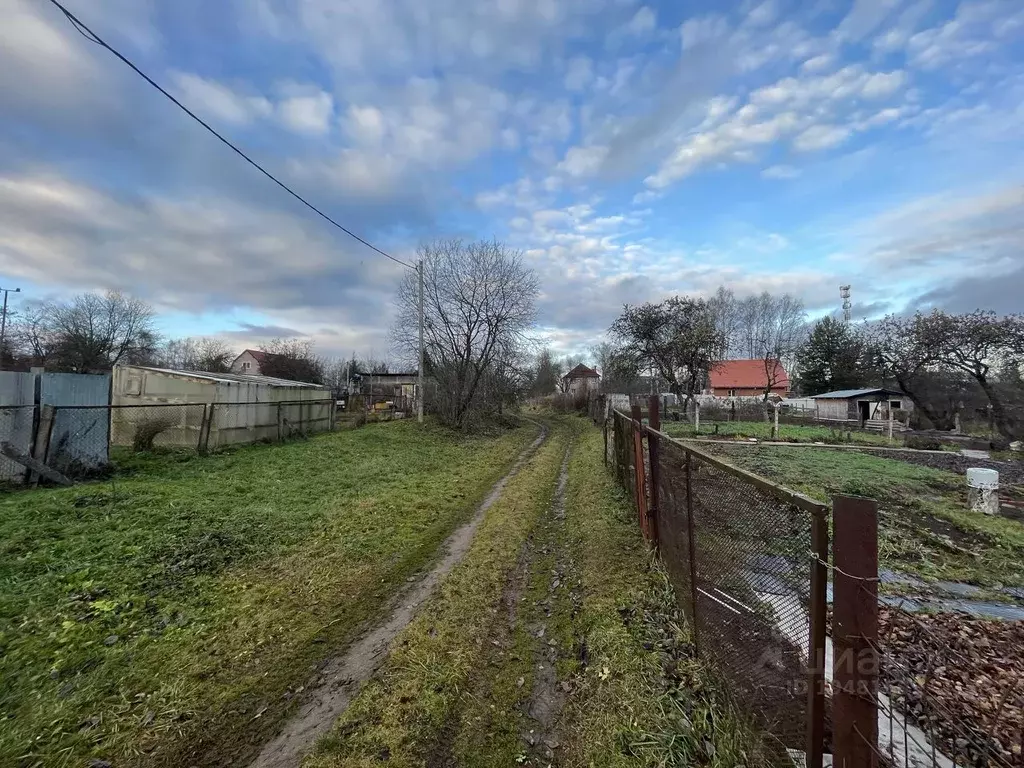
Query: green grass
pixel 456 687
pixel 791 433
pixel 425 702
pixel 166 617
pixel 643 699
pixel 925 527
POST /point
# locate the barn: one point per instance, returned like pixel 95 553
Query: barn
pixel 862 405
pixel 192 409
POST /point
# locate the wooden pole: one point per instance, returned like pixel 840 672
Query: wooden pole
pixel 38 467
pixel 41 443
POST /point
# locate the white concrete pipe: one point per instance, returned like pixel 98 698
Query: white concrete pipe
pixel 983 490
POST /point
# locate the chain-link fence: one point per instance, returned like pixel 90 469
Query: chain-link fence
pixel 743 556
pixel 17 424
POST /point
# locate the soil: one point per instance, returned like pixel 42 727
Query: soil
pixel 337 683
pixel 1010 472
pixel 959 678
pixel 547 698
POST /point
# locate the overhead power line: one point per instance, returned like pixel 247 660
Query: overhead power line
pixel 84 30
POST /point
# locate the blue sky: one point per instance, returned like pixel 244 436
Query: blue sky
pixel 632 150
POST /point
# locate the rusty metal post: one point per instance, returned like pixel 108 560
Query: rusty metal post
pixel 816 651
pixel 653 450
pixel 690 528
pixel 855 632
pixel 639 476
pixel 604 429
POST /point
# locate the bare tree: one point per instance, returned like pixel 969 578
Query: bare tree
pixel 781 327
pixel 190 354
pixel 92 332
pixel 32 335
pixel 479 307
pixel 292 359
pixel 678 339
pixel 727 313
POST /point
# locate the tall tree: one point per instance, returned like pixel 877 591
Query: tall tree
pixel 292 359
pixel 547 374
pixel 94 332
pixel 832 358
pixel 190 354
pixel 480 304
pixel 977 344
pixel 780 332
pixel 677 338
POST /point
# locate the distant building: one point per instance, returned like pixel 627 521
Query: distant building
pixel 581 380
pixel 748 378
pixel 863 405
pixel 249 363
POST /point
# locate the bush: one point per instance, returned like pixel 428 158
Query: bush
pixel 147 431
pixel 924 443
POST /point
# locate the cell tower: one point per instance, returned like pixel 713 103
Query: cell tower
pixel 844 293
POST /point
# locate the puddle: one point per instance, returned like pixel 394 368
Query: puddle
pixel 950 596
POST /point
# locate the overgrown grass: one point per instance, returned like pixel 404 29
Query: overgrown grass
pixel 411 713
pixel 926 528
pixel 166 617
pixel 790 433
pixel 642 699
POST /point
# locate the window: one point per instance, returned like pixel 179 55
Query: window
pixel 732 393
pixel 245 365
pixel 896 404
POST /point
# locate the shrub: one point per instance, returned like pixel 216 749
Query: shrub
pixel 924 443
pixel 147 431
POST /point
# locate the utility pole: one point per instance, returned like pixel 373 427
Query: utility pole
pixel 3 323
pixel 422 393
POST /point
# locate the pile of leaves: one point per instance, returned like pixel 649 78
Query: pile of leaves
pixel 961 679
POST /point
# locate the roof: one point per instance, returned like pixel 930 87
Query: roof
pixel 582 371
pixel 845 394
pixel 258 354
pixel 393 374
pixel 747 374
pixel 229 378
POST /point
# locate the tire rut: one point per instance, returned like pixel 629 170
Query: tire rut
pixel 338 682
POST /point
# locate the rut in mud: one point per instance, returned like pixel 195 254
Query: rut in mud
pixel 338 682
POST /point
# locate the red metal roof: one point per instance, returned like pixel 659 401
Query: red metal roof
pixel 747 374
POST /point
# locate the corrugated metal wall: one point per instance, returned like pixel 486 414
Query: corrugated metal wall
pixel 81 436
pixel 17 418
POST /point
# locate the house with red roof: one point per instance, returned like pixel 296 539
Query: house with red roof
pixel 580 380
pixel 748 378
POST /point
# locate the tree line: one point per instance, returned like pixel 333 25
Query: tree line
pixel 93 332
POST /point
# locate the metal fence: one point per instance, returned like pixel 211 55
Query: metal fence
pixel 743 556
pixel 77 440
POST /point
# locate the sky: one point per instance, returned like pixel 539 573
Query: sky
pixel 630 150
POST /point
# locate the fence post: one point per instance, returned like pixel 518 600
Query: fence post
pixel 690 527
pixel 604 429
pixel 696 416
pixel 653 449
pixel 775 423
pixel 41 442
pixel 816 651
pixel 204 426
pixel 280 425
pixel 855 632
pixel 332 415
pixel 209 426
pixel 639 476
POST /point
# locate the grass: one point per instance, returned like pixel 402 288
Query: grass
pixel 642 699
pixel 412 712
pixel 792 433
pixel 925 526
pixel 167 616
pixel 457 685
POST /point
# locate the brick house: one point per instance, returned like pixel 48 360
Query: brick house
pixel 250 362
pixel 748 378
pixel 581 380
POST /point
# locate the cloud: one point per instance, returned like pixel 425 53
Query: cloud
pixel 309 114
pixel 819 137
pixel 579 74
pixel 780 172
pixel 864 17
pixel 643 22
pixel 215 101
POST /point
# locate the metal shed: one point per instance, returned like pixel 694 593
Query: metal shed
pixel 862 404
pixel 191 408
